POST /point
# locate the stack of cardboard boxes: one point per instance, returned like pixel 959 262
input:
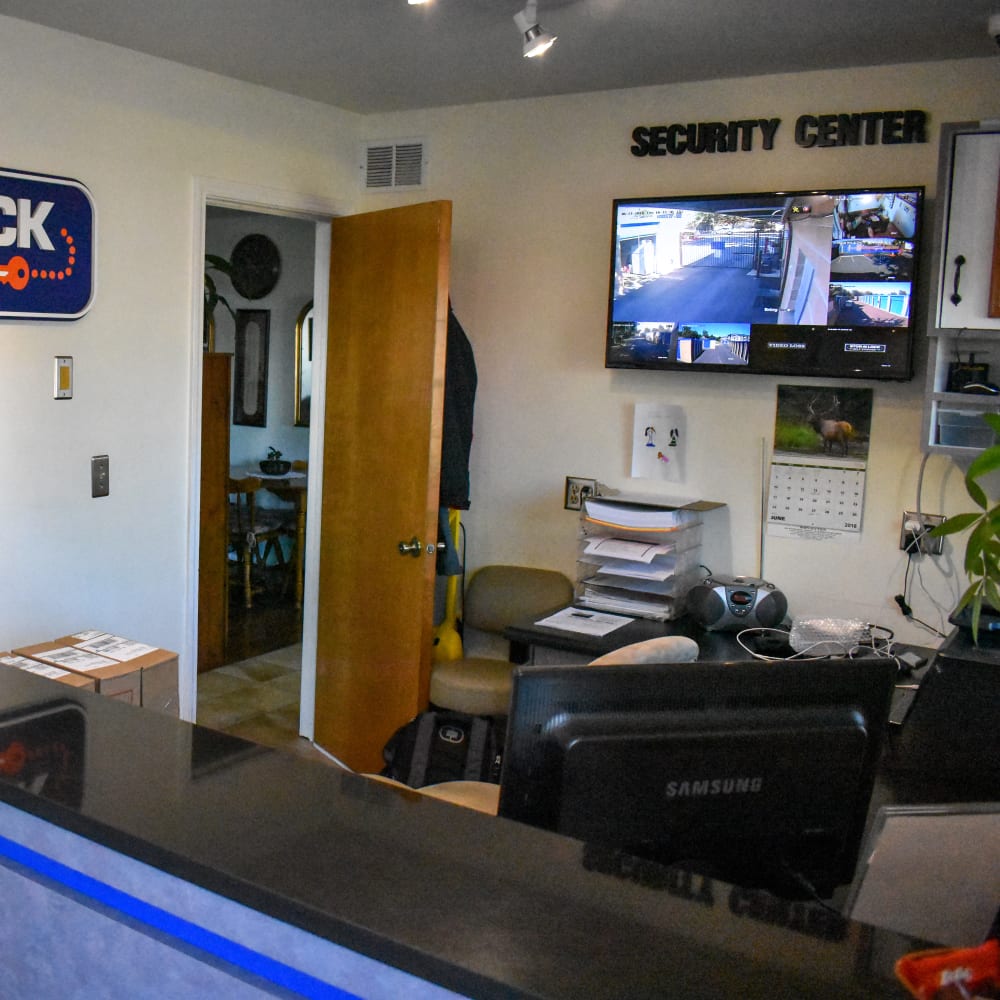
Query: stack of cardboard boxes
pixel 111 665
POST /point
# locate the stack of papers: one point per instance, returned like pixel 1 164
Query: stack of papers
pixel 629 603
pixel 584 622
pixel 622 557
pixel 633 515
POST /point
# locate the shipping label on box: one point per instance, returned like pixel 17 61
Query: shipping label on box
pixel 159 667
pixel 48 670
pixel 113 646
pixel 130 671
pixel 122 681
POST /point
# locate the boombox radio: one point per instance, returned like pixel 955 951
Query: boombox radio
pixel 730 603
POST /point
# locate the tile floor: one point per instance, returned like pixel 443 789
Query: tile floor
pixel 257 699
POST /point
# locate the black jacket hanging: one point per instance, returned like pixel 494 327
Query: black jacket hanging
pixel 459 400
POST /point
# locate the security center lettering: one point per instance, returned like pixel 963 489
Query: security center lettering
pixel 864 128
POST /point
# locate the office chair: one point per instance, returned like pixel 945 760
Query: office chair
pixel 484 796
pixel 497 596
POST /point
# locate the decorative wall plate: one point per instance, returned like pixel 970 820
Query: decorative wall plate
pixel 256 266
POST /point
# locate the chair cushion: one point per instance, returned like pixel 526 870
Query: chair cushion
pixel 483 796
pixel 498 596
pixel 476 686
pixel 662 649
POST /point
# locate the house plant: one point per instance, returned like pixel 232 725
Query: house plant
pixel 274 465
pixel 212 297
pixel 982 547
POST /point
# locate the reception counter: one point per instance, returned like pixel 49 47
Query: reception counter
pixel 143 856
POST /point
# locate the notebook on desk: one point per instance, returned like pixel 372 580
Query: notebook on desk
pixel 932 872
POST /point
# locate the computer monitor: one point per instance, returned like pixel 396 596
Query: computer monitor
pixel 759 773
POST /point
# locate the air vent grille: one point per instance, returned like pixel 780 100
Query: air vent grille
pixel 391 166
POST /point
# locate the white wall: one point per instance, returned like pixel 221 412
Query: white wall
pixel 138 132
pixel 532 184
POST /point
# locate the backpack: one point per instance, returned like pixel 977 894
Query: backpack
pixel 444 746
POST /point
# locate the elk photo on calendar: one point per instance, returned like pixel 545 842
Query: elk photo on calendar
pixel 830 421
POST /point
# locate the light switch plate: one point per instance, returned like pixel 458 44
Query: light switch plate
pixel 63 384
pixel 100 476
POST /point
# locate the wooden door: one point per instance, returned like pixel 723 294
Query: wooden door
pixel 381 466
pixel 213 595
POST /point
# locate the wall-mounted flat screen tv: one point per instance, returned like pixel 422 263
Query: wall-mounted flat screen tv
pixel 788 283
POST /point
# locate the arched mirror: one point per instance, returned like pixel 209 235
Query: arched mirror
pixel 303 365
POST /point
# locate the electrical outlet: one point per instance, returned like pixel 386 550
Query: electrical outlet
pixel 577 490
pixel 913 537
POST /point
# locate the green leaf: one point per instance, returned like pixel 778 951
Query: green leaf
pixel 216 263
pixel 975 491
pixel 977 606
pixel 955 524
pixel 993 419
pixel 986 461
pixel 970 592
pixel 229 308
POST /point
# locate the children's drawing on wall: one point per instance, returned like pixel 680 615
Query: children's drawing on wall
pixel 819 462
pixel 658 442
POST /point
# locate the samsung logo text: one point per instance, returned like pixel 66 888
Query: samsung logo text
pixel 713 786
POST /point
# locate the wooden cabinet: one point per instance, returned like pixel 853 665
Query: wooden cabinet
pixel 213 595
pixel 964 320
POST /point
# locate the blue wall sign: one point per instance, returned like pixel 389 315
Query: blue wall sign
pixel 47 234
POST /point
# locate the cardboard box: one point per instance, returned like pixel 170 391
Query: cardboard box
pixel 130 671
pixel 47 670
pixel 113 679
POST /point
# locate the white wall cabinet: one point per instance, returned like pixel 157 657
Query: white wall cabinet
pixel 961 330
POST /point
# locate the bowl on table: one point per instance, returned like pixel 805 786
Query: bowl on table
pixel 274 466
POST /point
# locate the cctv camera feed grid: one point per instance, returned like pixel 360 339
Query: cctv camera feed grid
pixel 790 283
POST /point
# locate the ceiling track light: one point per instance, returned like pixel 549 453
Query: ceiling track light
pixel 536 39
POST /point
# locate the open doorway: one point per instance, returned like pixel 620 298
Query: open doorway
pixel 262 318
pixel 268 615
pixel 315 213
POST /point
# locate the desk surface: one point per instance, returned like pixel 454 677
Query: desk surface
pixel 711 645
pixel 481 905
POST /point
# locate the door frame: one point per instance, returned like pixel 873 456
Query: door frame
pixel 253 198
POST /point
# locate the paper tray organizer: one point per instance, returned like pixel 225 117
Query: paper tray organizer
pixel 637 559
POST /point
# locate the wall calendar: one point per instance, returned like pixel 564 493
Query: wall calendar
pixel 813 499
pixel 816 488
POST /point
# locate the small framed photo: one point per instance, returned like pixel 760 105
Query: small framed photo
pixel 577 490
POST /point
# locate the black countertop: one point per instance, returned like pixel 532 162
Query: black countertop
pixel 483 906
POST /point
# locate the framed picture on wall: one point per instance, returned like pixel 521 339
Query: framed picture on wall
pixel 250 368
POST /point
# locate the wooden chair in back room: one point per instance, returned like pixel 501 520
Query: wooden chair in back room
pixel 255 533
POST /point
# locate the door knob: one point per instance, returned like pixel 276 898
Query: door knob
pixel 411 548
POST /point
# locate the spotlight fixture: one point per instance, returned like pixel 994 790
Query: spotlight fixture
pixel 413 3
pixel 536 39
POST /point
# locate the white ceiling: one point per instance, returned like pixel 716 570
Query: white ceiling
pixel 384 55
